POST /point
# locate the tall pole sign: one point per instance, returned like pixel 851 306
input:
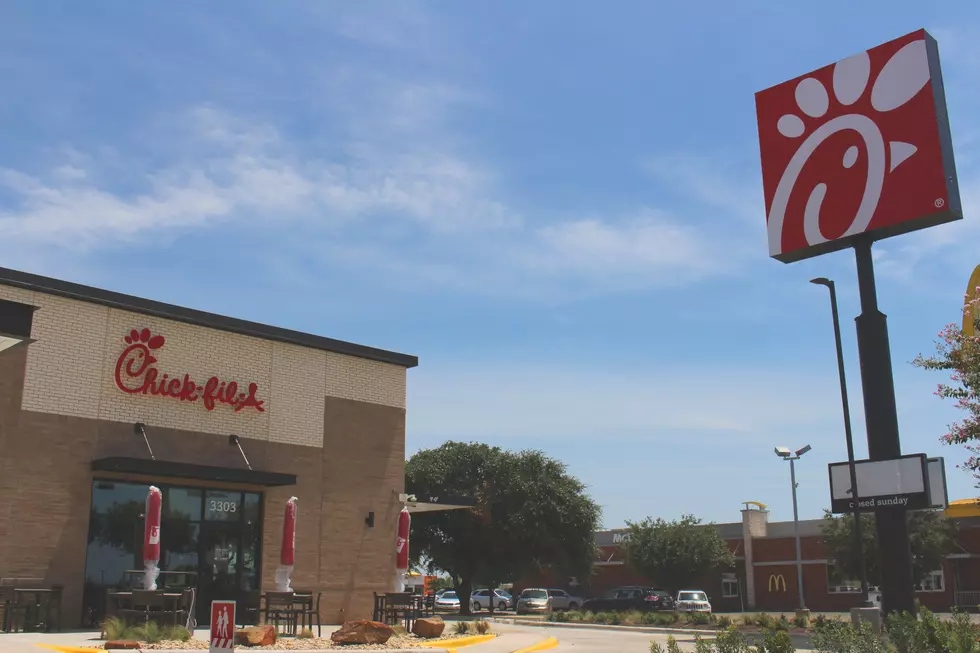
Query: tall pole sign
pixel 852 153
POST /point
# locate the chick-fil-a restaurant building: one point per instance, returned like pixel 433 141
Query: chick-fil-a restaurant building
pixel 103 395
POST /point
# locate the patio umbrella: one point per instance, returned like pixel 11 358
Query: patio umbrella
pixel 401 549
pixel 151 538
pixel 288 552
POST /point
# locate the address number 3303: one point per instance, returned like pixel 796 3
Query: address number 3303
pixel 223 506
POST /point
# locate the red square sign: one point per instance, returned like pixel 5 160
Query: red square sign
pixel 858 147
pixel 222 626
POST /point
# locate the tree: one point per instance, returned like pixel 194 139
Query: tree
pixel 530 514
pixel 676 554
pixel 932 537
pixel 959 354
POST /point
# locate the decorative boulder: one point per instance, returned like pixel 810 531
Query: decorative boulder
pixel 429 627
pixel 256 636
pixel 122 644
pixel 362 632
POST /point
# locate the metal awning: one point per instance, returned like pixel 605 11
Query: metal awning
pixel 423 503
pixel 170 469
pixel 15 324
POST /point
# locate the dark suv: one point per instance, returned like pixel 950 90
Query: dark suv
pixel 623 599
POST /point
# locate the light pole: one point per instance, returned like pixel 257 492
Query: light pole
pixel 792 457
pixel 858 527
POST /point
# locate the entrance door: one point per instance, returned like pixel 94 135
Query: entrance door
pixel 220 570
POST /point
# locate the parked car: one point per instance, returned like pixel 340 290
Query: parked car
pixel 448 600
pixel 533 599
pixel 480 599
pixel 626 599
pixel 692 601
pixel 562 600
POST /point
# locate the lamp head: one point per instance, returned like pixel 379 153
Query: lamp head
pixel 822 281
pixel 783 452
pixel 800 452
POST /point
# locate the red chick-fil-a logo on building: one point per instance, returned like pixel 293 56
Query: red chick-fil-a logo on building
pixel 136 374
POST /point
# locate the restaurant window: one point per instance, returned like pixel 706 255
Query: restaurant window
pixel 932 582
pixel 210 539
pixel 838 583
pixel 729 588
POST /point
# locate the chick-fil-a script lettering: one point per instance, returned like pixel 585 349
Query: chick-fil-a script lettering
pixel 135 374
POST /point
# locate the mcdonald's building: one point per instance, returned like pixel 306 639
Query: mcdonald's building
pixel 765 576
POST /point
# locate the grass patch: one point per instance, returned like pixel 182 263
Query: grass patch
pixel 306 633
pixel 461 627
pixel 482 626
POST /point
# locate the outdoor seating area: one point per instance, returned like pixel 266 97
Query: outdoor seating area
pixel 401 608
pixel 158 606
pixel 28 606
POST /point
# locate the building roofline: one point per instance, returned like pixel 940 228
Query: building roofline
pixel 67 289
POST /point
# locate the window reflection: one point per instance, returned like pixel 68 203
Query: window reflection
pixel 214 535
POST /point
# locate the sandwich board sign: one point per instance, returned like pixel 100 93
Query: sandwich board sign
pixel 901 482
pixel 222 626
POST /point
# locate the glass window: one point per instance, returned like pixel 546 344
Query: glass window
pixel 184 503
pixel 251 508
pixel 729 588
pixel 933 582
pixel 220 505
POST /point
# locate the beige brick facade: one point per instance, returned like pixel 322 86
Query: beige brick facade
pixel 334 421
pixel 71 368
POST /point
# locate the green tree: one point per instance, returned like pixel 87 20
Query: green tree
pixel 932 537
pixel 530 514
pixel 676 554
pixel 958 353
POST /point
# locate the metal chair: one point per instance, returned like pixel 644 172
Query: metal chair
pixel 279 609
pixel 399 606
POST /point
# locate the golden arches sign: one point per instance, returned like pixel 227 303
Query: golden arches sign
pixel 775 580
pixel 971 310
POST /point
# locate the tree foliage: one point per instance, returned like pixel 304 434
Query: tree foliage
pixel 932 537
pixel 676 554
pixel 959 354
pixel 530 514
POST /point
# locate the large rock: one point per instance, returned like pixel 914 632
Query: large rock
pixel 362 632
pixel 122 644
pixel 256 636
pixel 429 627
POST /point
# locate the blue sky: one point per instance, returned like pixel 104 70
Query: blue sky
pixel 556 205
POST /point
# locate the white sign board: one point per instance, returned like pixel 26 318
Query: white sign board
pixel 938 496
pixel 898 482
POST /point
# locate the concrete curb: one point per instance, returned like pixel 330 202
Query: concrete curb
pixel 798 640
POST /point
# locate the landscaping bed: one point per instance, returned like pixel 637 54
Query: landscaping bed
pixel 688 621
pixel 302 644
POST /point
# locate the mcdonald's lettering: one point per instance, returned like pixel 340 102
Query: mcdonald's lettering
pixel 775 580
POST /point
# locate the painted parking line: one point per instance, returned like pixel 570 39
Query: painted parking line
pixel 543 645
pixel 71 649
pixel 459 642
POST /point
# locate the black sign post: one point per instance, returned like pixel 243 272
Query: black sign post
pixel 881 421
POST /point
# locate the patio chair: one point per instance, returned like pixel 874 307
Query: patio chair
pixel 279 610
pixel 399 607
pixel 251 608
pixel 308 605
pixel 15 611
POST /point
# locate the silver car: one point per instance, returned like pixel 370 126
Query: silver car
pixel 480 599
pixel 533 599
pixel 562 600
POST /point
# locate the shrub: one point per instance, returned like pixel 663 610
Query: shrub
pixel 649 618
pixel 114 628
pixel 833 636
pixel 776 641
pixel 724 621
pixel 783 623
pixel 749 619
pixel 306 633
pixel 181 634
pixel 559 616
pixel 731 640
pixel 800 621
pixel 482 626
pixel 632 618
pixel 703 645
pixel 672 645
pixel 655 647
pixel 764 621
pixel 700 618
pixel 461 627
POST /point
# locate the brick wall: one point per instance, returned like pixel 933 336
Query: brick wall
pixel 335 421
pixel 70 371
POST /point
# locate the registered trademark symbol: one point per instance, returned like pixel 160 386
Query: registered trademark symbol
pixel 939 203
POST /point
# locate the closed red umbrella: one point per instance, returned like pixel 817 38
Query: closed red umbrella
pixel 151 538
pixel 401 549
pixel 287 554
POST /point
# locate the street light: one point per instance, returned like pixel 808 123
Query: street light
pixel 857 531
pixel 792 456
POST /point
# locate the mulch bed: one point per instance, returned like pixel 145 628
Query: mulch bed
pixel 301 644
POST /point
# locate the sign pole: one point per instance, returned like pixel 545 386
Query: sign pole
pixel 881 420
